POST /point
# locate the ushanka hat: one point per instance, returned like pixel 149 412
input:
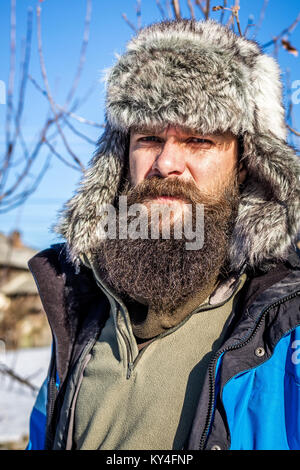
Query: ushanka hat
pixel 202 76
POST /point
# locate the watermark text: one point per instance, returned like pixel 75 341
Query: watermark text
pixel 296 94
pixel 140 221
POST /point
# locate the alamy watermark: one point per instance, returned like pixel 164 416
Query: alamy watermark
pixel 141 221
pixel 296 354
pixel 296 93
pixel 2 92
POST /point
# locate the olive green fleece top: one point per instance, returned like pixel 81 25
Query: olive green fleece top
pixel 134 400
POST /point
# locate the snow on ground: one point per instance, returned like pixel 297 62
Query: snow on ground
pixel 16 399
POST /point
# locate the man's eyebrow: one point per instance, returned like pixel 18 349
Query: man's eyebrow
pixel 160 130
pixel 146 131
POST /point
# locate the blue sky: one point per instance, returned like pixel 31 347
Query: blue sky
pixel 62 28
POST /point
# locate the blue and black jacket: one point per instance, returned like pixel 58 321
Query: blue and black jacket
pixel 251 395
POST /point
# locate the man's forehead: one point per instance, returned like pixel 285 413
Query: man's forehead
pixel 160 129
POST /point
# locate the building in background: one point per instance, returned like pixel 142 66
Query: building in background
pixel 23 322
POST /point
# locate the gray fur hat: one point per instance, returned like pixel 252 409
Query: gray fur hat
pixel 202 76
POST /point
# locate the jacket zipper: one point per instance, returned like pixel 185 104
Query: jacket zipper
pixel 52 394
pixel 211 368
pixel 131 363
pixel 129 354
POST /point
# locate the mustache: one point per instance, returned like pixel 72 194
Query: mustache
pixel 185 190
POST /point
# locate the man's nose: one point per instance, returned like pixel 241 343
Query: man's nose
pixel 169 161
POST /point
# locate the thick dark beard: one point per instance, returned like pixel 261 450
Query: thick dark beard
pixel 162 273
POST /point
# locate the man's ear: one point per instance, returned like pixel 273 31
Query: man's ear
pixel 242 173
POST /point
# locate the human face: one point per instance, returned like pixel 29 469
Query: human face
pixel 207 160
pixel 162 272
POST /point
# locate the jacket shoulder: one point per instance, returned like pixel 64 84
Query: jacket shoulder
pixel 53 258
pixel 71 299
pixel 275 281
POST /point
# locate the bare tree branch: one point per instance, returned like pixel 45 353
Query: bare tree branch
pixel 23 82
pixel 261 18
pixel 293 130
pixel 290 115
pixel 290 102
pixel 230 21
pixel 29 162
pixel 45 79
pixel 24 75
pixel 162 11
pixel 234 14
pixel 12 71
pixel 285 31
pixel 223 12
pixel 169 10
pixel 199 4
pixel 5 370
pixel 21 197
pixel 10 92
pixel 80 119
pixel 207 9
pixel 17 168
pixel 176 9
pixel 54 152
pixel 77 132
pixel 235 11
pixel 191 8
pixel 82 56
pixel 131 25
pixel 139 14
pixel 231 18
pixel 249 24
pixel 5 170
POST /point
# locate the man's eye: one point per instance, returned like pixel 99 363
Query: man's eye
pixel 149 138
pixel 198 140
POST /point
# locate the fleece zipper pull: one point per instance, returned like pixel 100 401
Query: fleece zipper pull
pixel 129 370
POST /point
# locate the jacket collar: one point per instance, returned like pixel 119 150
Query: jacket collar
pixel 76 307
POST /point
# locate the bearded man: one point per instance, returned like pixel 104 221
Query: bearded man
pixel 157 346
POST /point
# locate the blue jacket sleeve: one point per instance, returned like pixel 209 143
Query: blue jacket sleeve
pixel 37 428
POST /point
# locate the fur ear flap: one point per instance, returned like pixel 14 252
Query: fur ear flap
pixel 267 95
pixel 269 212
pixel 79 216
